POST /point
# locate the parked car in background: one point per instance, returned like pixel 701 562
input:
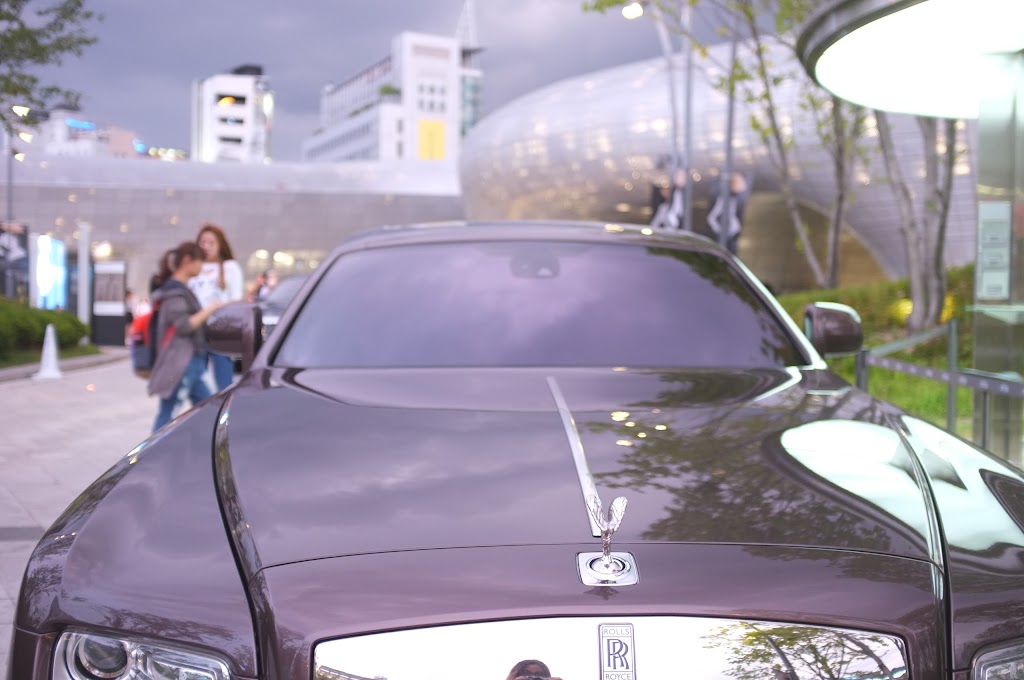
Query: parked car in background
pixel 277 300
pixel 535 450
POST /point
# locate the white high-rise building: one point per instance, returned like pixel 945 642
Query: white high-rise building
pixel 232 115
pixel 408 105
pixel 471 75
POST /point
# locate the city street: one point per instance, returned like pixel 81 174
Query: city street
pixel 57 436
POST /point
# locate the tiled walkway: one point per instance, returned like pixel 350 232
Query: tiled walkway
pixel 56 436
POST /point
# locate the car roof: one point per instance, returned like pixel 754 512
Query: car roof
pixel 458 230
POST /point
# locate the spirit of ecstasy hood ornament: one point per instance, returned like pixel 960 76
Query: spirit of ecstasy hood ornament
pixel 608 524
pixel 607 568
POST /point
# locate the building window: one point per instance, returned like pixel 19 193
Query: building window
pixel 398 149
pixel 398 125
pixel 229 99
pixel 230 140
pixel 431 51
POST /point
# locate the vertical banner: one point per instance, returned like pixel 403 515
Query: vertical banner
pixel 992 267
pixel 50 273
pixel 109 304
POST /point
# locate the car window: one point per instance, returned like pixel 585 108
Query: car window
pixel 534 304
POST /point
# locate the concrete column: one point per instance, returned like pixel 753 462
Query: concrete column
pixel 85 275
pixel 999 289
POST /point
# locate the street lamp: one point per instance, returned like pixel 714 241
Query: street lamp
pixel 633 10
pixel 681 158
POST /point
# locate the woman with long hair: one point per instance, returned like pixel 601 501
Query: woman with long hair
pixel 219 280
pixel 180 339
pixel 163 271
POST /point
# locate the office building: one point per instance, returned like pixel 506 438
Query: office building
pixel 471 75
pixel 414 103
pixel 63 132
pixel 232 115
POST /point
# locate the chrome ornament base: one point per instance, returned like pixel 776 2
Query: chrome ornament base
pixel 618 570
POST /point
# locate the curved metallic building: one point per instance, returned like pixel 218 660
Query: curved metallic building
pixel 589 148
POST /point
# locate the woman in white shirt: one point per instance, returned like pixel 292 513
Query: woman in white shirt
pixel 221 280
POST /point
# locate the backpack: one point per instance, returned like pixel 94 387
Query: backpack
pixel 143 350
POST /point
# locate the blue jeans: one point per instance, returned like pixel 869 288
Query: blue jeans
pixel 192 385
pixel 223 370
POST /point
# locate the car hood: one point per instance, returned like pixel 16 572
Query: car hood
pixel 323 463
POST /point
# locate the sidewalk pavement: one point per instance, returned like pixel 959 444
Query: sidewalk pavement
pixel 106 355
pixel 56 437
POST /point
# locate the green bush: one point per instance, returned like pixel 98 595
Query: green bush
pixel 6 339
pixel 26 327
pixel 24 323
pixel 883 308
pixel 69 328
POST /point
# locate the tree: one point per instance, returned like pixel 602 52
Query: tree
pixel 840 126
pixel 761 93
pixel 35 34
pixel 923 227
pixel 757 651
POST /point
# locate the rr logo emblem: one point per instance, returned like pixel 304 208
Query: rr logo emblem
pixel 618 657
pixel 617 650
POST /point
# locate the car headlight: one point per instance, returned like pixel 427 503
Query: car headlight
pixel 87 656
pixel 1000 664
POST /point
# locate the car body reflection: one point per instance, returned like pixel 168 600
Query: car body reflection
pixel 630 648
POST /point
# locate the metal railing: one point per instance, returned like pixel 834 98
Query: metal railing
pixel 999 384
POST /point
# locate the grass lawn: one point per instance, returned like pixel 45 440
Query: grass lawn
pixel 920 397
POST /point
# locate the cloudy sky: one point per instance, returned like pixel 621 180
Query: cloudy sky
pixel 138 75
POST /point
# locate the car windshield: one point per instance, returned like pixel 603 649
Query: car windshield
pixel 534 304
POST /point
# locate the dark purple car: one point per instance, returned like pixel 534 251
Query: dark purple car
pixel 501 451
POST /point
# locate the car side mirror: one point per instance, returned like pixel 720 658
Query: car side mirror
pixel 833 329
pixel 236 330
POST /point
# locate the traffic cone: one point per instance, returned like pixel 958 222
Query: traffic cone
pixel 48 367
